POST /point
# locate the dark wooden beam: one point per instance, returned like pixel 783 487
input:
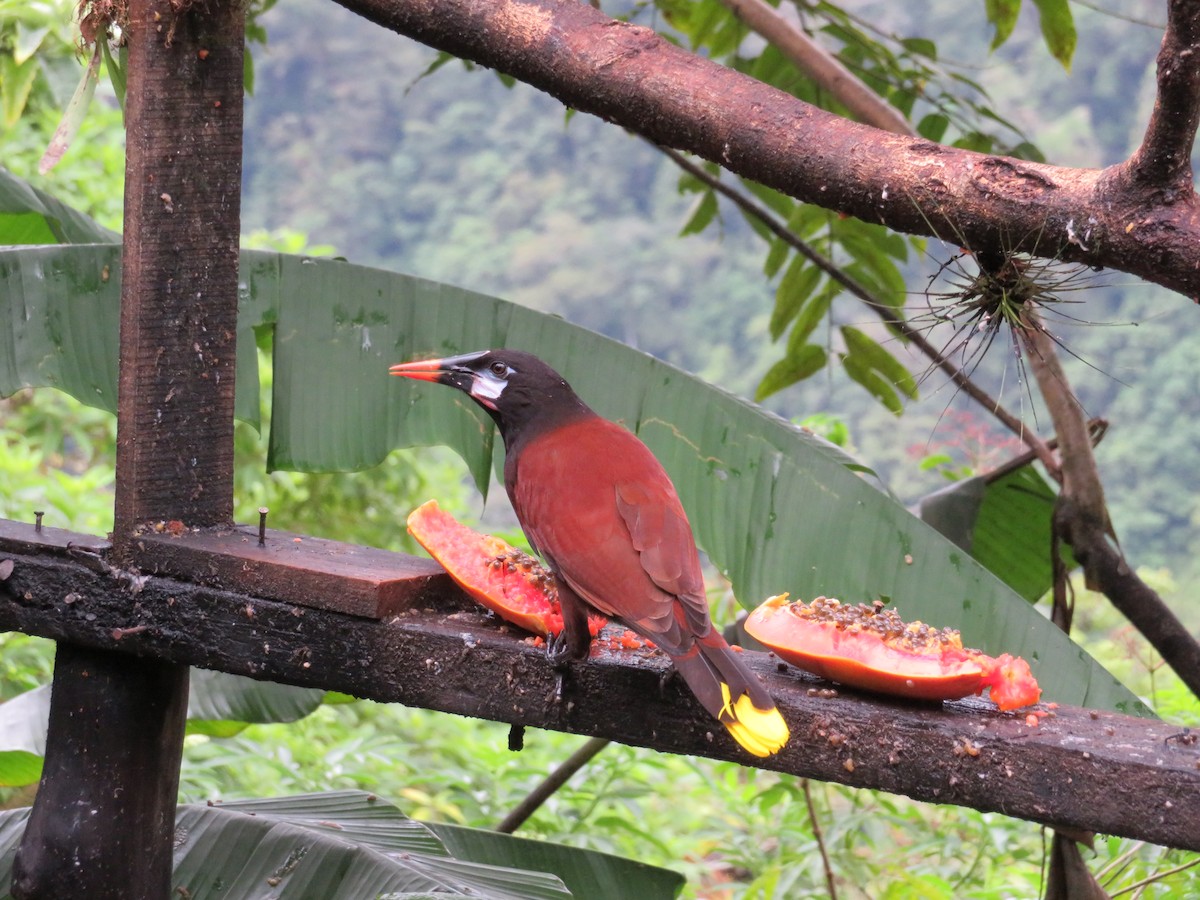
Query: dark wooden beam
pixel 1077 768
pixel 183 181
pixel 101 808
pixel 102 823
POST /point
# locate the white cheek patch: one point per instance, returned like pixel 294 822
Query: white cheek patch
pixel 486 388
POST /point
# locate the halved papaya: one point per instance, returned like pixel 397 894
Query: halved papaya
pixel 873 648
pixel 510 583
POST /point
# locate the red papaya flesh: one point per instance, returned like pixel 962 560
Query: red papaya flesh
pixel 512 584
pixel 873 648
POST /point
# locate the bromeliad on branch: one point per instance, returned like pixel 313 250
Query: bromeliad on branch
pixel 599 508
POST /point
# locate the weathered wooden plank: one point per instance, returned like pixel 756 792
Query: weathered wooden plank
pixel 1092 770
pixel 22 537
pixel 324 574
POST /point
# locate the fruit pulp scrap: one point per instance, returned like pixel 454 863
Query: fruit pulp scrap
pixel 874 648
pixel 497 575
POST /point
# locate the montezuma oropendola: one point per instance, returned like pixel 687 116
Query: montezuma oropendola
pixel 598 507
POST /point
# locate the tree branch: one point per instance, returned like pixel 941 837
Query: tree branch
pixel 821 66
pixel 1081 516
pixel 1163 161
pixel 631 76
pixel 885 312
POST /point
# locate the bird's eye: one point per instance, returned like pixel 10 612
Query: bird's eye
pixel 499 369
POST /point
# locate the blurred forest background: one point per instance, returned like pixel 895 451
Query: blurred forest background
pixel 364 145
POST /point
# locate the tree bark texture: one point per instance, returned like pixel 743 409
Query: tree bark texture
pixel 1121 217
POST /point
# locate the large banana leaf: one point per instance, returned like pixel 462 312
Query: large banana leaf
pixel 31 216
pixel 1005 523
pixel 219 704
pixel 590 874
pixel 774 509
pixel 347 845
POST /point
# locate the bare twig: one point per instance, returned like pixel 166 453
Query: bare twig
pixel 820 65
pixel 880 308
pixel 1157 876
pixel 819 837
pixel 556 779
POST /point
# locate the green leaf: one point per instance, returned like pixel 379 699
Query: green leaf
pixel 703 213
pixel 220 704
pixel 342 845
pixel 19 768
pixel 31 216
pixel 1058 28
pixel 23 722
pixel 810 317
pixel 921 47
pixel 799 363
pixel 797 284
pixel 933 126
pixel 118 71
pixel 27 40
pixel 776 257
pixel 1004 523
pixel 1002 15
pixel 348 845
pixel 73 115
pixel 876 385
pixel 873 266
pixel 757 489
pixel 586 873
pixel 871 354
pixel 16 81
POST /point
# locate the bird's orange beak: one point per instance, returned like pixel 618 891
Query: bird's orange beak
pixel 454 371
pixel 421 370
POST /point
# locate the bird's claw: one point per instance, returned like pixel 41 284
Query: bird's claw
pixel 558 652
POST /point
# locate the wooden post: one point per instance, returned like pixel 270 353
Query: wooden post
pixel 103 819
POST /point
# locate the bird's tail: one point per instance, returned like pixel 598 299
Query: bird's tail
pixel 733 694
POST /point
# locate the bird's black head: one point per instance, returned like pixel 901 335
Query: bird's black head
pixel 519 391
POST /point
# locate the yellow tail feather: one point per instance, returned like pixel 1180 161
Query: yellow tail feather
pixel 760 731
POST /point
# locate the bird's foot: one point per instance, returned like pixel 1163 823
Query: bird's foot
pixel 558 653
